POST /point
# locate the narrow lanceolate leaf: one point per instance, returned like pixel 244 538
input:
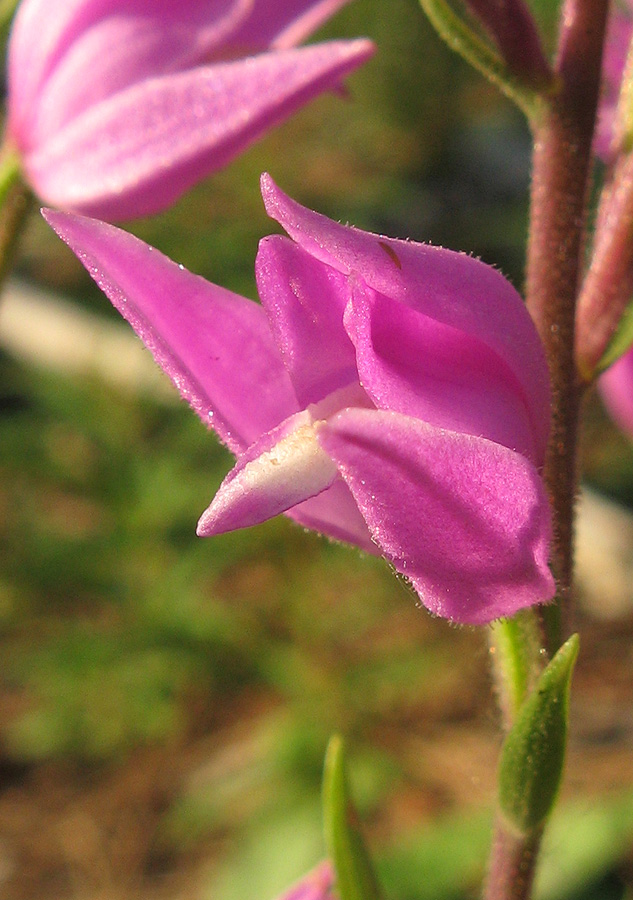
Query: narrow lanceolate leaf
pixel 355 878
pixel 534 751
pixel 511 25
pixel 460 37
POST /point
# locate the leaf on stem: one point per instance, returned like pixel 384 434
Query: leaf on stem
pixel 355 878
pixel 534 751
pixel 459 36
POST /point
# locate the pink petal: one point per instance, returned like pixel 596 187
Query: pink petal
pixel 464 519
pixel 616 388
pixel 137 152
pixel 452 288
pixel 418 366
pixel 305 301
pixel 316 885
pixel 283 23
pixel 214 345
pixel 619 31
pixel 66 55
pixel 282 468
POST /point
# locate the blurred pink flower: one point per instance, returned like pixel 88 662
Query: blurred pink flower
pixel 116 108
pixel 616 389
pixel 316 885
pixel 619 32
pixel 386 393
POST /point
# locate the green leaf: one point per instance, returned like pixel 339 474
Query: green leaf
pixel 533 753
pixel 460 37
pixel 355 878
pixel 621 341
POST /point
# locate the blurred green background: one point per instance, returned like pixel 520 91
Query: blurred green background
pixel 165 702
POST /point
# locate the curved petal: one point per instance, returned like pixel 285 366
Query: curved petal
pixel 305 301
pixel 214 345
pixel 67 55
pixel 282 468
pixel 137 152
pixel 616 388
pixel 418 366
pixel 464 519
pixel 283 23
pixel 450 287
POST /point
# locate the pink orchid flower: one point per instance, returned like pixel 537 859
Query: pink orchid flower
pixel 116 108
pixel 386 393
pixel 619 33
pixel 316 885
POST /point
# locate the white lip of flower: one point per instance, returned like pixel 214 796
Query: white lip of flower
pixel 295 468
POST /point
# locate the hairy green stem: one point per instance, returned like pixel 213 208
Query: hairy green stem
pixel 515 654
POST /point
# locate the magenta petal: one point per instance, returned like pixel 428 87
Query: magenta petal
pixel 316 885
pixel 412 364
pixel 305 301
pixel 616 388
pixel 465 520
pixel 66 55
pixel 138 151
pixel 452 288
pixel 215 346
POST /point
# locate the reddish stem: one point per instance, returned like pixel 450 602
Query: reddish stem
pixel 512 864
pixel 560 187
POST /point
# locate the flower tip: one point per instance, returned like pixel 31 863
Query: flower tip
pixel 55 219
pixel 213 520
pixel 277 203
pixel 204 528
pixel 362 48
pixel 266 183
pixel 72 229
